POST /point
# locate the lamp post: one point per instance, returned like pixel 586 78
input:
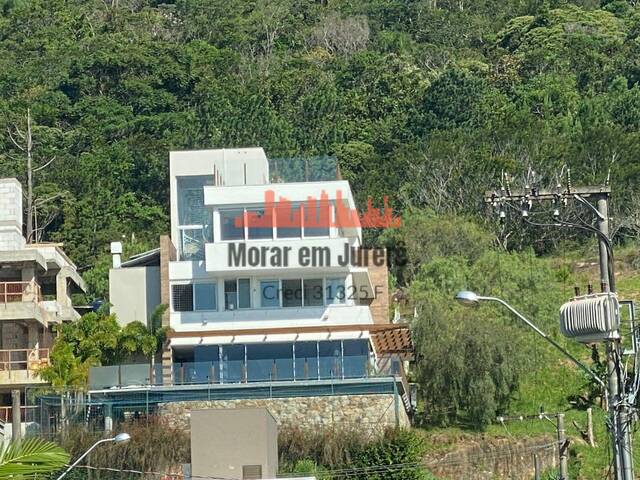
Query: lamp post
pixel 120 438
pixel 471 299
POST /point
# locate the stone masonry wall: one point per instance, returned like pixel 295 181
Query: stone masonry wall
pixel 372 413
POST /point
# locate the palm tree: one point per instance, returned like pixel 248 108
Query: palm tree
pixel 19 460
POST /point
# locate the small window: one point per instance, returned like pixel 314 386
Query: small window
pixel 237 294
pixel 205 296
pixel 269 293
pixel 230 295
pixel 182 298
pixel 335 291
pixel 289 220
pixel 244 293
pixel 232 224
pixel 292 293
pixel 260 223
pixel 313 293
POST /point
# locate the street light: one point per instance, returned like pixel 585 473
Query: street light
pixel 472 299
pixel 120 438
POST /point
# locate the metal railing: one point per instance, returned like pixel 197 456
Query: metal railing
pixel 24 359
pixel 28 413
pixel 25 292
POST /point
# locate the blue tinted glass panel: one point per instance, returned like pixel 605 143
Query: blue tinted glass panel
pixel 269 294
pixel 206 296
pixel 232 363
pixel 306 360
pixel 335 291
pixel 330 359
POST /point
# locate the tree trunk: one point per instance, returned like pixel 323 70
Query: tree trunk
pixel 29 232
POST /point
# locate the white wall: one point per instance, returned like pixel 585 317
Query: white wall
pixel 11 215
pixel 134 293
pixel 242 166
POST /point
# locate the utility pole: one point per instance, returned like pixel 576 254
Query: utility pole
pixel 620 417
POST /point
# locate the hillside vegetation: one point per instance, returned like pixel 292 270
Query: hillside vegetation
pixel 426 101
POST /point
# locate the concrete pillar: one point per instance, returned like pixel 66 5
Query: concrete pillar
pixel 108 417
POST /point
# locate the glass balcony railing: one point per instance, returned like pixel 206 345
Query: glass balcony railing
pixel 280 369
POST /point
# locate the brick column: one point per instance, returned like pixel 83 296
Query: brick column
pixel 380 280
pixel 167 254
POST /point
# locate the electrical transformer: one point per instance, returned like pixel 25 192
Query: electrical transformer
pixel 591 318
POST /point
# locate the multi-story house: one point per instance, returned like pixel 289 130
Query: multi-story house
pixel 266 284
pixel 36 284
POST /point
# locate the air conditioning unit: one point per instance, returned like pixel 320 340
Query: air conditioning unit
pixel 591 318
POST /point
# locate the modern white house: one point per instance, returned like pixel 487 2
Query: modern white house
pixel 36 284
pixel 265 282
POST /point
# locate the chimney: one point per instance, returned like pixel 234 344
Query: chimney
pixel 116 254
pixel 11 215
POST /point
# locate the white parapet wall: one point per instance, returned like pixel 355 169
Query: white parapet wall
pixel 11 215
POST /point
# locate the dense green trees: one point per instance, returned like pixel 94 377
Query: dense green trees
pixel 425 101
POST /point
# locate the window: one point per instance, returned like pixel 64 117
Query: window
pixel 194 219
pixel 335 291
pixel 317 217
pixel 232 224
pixel 191 208
pixel 230 295
pixel 244 293
pixel 205 296
pixel 313 292
pixel 237 294
pixel 192 242
pixel 292 293
pixel 259 223
pixel 269 293
pixel 306 360
pixel 289 220
pixel 330 359
pixel 182 298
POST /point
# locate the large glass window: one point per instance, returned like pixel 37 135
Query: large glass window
pixel 193 214
pixel 191 209
pixel 356 358
pixel 232 224
pixel 317 218
pixel 269 293
pixel 206 365
pixel 335 290
pixel 313 296
pixel 289 220
pixel 306 360
pixel 182 298
pixel 233 368
pixel 259 223
pixel 292 293
pixel 205 296
pixel 273 361
pixel 330 359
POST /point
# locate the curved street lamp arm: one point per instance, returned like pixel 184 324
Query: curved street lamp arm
pixel 586 369
pixel 81 457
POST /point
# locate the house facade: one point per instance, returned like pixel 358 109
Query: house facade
pixel 266 285
pixel 36 284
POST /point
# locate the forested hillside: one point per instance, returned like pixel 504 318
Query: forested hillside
pixel 426 101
